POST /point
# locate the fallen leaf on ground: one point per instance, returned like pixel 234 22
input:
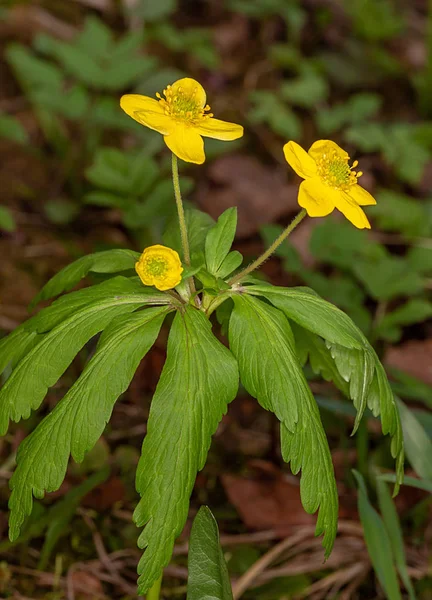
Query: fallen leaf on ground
pixel 414 357
pixel 267 499
pixel 261 193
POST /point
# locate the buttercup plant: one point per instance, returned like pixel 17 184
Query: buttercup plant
pixel 272 332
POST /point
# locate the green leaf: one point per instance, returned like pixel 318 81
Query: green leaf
pixel 394 532
pixel 154 11
pixel 219 240
pixel 70 325
pixel 199 379
pixel 306 308
pixel 7 221
pixel 401 213
pixel 420 258
pixel 198 223
pixel 309 345
pixel 262 341
pixel 370 386
pixel 421 484
pixel 208 573
pixel 108 261
pixel 378 543
pixel 230 263
pixel 11 129
pixel 60 515
pixel 414 310
pixel 78 420
pixel 417 443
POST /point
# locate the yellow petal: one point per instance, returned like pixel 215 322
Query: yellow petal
pixel 189 87
pixel 148 112
pixel 299 160
pixel 361 196
pixel 352 211
pixel 186 143
pixel 219 130
pixel 316 198
pixel 321 147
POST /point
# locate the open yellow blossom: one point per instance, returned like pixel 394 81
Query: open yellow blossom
pixel 329 181
pixel 159 266
pixel 182 117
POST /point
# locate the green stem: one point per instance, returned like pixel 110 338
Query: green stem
pixel 182 219
pixel 180 210
pixel 278 241
pixel 154 591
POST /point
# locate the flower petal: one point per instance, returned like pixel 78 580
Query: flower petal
pixel 219 130
pixel 361 196
pixel 186 143
pixel 148 112
pixel 352 211
pixel 190 87
pixel 317 198
pixel 321 147
pixel 299 160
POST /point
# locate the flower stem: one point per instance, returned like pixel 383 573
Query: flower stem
pixel 182 219
pixel 154 591
pixel 180 210
pixel 278 241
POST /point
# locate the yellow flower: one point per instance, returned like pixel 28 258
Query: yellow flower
pixel 182 117
pixel 329 181
pixel 159 266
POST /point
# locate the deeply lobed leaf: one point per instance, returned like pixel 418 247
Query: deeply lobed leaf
pixel 262 341
pixel 199 379
pixel 70 324
pixel 78 420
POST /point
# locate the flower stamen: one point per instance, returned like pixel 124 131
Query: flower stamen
pixel 334 170
pixel 183 105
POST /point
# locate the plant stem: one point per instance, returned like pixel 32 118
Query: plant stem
pixel 278 241
pixel 182 220
pixel 180 210
pixel 154 591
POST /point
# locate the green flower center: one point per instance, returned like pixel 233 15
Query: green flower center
pixel 183 106
pixel 335 171
pixel 156 266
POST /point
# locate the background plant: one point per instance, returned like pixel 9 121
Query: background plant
pixel 370 71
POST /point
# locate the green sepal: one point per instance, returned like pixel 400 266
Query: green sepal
pixel 199 379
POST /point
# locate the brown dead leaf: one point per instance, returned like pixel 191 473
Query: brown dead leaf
pixel 414 357
pixel 261 194
pixel 106 495
pixel 85 585
pixel 267 499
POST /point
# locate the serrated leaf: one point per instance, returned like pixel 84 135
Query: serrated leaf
pixel 322 318
pixel 357 367
pixel 208 573
pixel 108 261
pixel 306 308
pixel 199 379
pixel 45 362
pixel 198 223
pixel 78 420
pixel 230 263
pixel 394 531
pixel 219 240
pixel 262 341
pixel 378 543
